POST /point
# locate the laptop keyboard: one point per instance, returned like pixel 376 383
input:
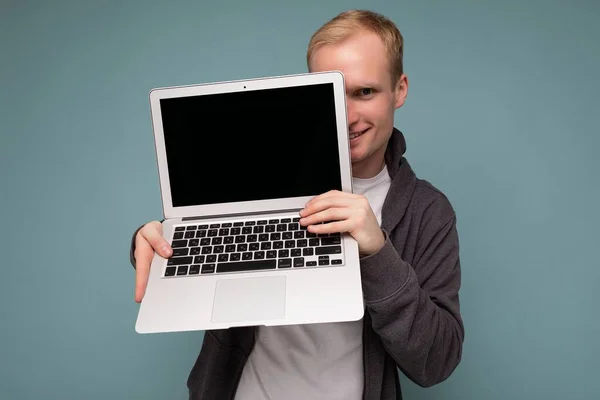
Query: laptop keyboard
pixel 265 244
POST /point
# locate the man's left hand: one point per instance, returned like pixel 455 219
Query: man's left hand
pixel 344 212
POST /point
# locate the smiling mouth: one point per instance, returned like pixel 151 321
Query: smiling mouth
pixel 355 135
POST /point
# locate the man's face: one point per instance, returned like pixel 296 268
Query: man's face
pixel 371 100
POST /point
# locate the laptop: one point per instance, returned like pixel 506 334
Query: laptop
pixel 237 161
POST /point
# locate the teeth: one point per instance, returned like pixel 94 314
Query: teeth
pixel 357 134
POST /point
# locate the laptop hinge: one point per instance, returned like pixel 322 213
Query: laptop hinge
pixel 247 214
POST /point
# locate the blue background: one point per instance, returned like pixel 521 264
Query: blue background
pixel 502 115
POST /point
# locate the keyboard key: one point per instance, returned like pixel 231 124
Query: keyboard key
pixel 194 251
pixel 311 263
pixel 194 269
pixel 180 260
pixel 328 250
pixel 285 263
pixel 323 262
pixel 296 252
pixel 336 262
pixel 204 242
pixel 290 244
pixel 206 250
pixel 307 251
pixel 258 229
pixel 330 240
pixel 246 230
pixel 301 243
pixel 190 234
pixel 179 228
pixel 208 268
pixel 200 234
pixel 278 245
pixel 287 235
pixel 298 262
pixel 182 270
pixel 213 233
pixel 272 254
pixel 247 256
pixel 228 240
pixel 180 252
pixel 212 258
pixel 286 220
pixel 218 249
pixel 199 259
pixel 230 248
pixel 263 237
pixel 275 236
pixel 238 224
pixel 191 228
pixel 262 222
pixel 246 266
pixel 259 255
pixel 212 226
pixel 293 227
pixel 284 253
pixel 226 225
pixel 251 238
pixel 178 235
pixel 203 227
pixel 193 242
pixel 270 228
pixel 223 257
pixel 235 257
pixel 313 242
pixel 223 232
pixel 296 219
pixel 179 243
pixel 299 235
pixel 242 247
pixel 250 223
pixel 170 271
pixel 235 231
pixel 265 246
pixel 254 246
pixel 273 221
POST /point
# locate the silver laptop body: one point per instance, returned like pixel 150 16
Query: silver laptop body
pixel 237 161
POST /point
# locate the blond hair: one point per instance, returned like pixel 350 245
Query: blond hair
pixel 348 22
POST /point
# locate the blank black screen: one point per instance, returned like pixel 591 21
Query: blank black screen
pixel 251 145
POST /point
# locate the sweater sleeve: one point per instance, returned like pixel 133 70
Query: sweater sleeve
pixel 415 308
pixel 132 247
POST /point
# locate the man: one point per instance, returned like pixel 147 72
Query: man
pixel 406 232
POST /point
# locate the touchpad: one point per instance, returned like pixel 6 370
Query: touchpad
pixel 249 299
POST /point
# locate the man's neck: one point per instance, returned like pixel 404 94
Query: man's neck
pixel 369 167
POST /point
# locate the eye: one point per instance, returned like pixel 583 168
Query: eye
pixel 365 92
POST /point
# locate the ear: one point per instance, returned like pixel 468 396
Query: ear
pixel 401 91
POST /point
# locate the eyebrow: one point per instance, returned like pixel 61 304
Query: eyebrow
pixel 364 85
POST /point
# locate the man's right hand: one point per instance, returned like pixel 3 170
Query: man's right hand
pixel 148 240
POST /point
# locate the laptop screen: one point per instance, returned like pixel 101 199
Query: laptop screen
pixel 254 145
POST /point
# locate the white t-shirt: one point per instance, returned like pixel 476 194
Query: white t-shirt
pixel 313 361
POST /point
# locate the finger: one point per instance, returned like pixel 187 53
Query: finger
pixel 332 227
pixel 152 232
pixel 329 214
pixel 144 253
pixel 325 203
pixel 328 194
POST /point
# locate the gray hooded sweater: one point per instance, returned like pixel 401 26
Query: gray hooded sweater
pixel 412 318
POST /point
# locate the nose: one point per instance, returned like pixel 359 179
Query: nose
pixel 352 111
